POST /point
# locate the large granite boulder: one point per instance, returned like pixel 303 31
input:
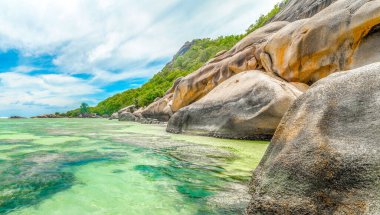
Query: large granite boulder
pixel 172 88
pixel 325 155
pixel 138 112
pixel 127 116
pixel 129 109
pixel 160 109
pixel 248 105
pixel 340 37
pixel 242 57
pixel 114 116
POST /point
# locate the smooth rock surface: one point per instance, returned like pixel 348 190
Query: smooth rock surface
pixel 127 116
pixel 248 105
pixel 130 109
pixel 114 116
pixel 160 109
pixel 368 50
pixel 175 84
pixel 325 155
pixel 310 49
pixel 242 57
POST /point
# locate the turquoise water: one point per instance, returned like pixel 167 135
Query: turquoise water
pixel 97 166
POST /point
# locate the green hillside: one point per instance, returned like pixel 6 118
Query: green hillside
pixel 197 55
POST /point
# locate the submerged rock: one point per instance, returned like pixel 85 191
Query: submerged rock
pixel 249 105
pixel 235 197
pixel 324 157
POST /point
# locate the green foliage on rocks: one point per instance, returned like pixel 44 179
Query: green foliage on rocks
pixel 263 19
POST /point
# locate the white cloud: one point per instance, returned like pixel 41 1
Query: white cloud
pixel 85 33
pixel 110 39
pixel 24 69
pixel 41 93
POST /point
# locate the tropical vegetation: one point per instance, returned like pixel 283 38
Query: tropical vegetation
pixel 197 55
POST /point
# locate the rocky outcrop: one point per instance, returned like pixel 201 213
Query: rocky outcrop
pixel 149 121
pixel 185 47
pixel 368 50
pixel 114 116
pixel 324 157
pixel 16 117
pixel 242 57
pixel 106 116
pixel 160 109
pixel 248 105
pixel 128 109
pixel 301 9
pixel 50 116
pixel 303 51
pixel 138 112
pixel 332 40
pixel 127 116
pixel 340 35
pixel 132 114
pixel 89 115
pixel 175 84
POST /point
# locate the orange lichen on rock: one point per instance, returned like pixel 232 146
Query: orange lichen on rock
pixel 310 49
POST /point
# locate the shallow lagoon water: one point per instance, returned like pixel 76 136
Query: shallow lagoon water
pixel 97 166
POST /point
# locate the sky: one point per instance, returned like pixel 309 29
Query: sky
pixel 57 54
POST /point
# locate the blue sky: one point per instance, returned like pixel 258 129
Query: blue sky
pixel 56 54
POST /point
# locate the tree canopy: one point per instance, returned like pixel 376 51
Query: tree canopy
pixel 84 108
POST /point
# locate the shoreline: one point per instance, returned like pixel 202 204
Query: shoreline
pixel 164 124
